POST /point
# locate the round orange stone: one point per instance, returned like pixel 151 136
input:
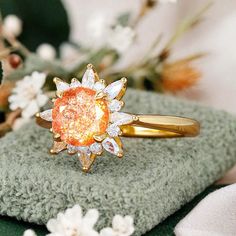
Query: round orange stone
pixel 77 116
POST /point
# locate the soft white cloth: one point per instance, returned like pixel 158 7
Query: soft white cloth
pixel 215 215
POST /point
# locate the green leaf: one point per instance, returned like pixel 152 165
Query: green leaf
pixel 123 19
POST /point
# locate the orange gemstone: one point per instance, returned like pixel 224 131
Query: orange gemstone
pixel 77 116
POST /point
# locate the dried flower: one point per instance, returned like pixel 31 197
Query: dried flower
pixel 120 38
pixel 28 94
pixel 46 51
pixel 5 91
pixel 14 60
pixel 12 25
pixel 179 75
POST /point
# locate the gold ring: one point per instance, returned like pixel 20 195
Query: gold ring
pixel 86 119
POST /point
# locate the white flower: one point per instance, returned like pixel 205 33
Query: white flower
pixel 29 232
pixel 46 51
pixel 120 38
pixel 68 51
pixel 72 223
pixel 12 25
pixel 121 226
pixel 28 94
pixel 19 122
pixel 97 30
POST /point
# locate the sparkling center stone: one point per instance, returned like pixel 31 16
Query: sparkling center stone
pixel 77 116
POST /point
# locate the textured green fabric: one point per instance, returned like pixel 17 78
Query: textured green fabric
pixel 155 178
pixel 12 227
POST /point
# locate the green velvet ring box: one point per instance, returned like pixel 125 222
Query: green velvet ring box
pixel 154 179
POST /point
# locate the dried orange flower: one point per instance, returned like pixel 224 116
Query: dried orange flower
pixel 5 91
pixel 179 75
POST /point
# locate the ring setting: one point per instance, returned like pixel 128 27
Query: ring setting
pixel 86 119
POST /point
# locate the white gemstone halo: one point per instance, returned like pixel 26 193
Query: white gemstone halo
pixel 109 140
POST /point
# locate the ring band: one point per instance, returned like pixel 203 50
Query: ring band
pixel 86 119
pixel 161 127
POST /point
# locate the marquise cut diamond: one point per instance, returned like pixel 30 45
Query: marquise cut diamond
pixel 111 146
pixel 113 89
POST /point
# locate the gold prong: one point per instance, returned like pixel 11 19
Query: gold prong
pixel 90 66
pixel 122 103
pixel 135 118
pixel 73 80
pixel 85 169
pixel 59 94
pixel 124 80
pixel 102 81
pixel 56 80
pixel 37 114
pixel 120 154
pixel 99 137
pixel 52 151
pixel 55 136
pixel 100 95
pixel 120 132
pixel 51 130
pixel 54 99
pixel 100 153
pixel 122 92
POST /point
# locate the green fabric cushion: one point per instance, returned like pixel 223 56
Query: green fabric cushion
pixel 153 180
pixel 12 227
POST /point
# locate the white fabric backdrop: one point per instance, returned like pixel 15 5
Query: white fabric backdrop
pixel 216 35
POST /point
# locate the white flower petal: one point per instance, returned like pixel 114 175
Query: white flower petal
pixel 121 118
pixel 42 99
pixel 12 25
pixel 46 51
pixel 118 223
pixel 91 218
pixel 121 38
pixel 29 232
pixel 46 115
pixel 30 110
pixel 19 122
pixel 88 79
pixel 14 106
pixel 107 232
pixel 38 80
pixel 111 146
pixel 113 89
pixel 52 225
pixel 74 214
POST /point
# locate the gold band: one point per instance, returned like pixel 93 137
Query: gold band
pixel 153 126
pixel 161 127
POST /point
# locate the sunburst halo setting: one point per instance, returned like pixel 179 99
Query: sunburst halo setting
pixel 86 117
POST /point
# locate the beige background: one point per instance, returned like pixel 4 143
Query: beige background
pixel 216 35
